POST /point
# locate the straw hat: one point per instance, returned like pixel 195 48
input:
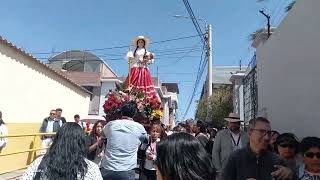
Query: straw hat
pixel 233 117
pixel 146 40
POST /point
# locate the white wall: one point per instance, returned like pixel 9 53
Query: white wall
pixel 29 91
pixel 95 101
pixel 289 72
pixel 106 86
pixel 165 105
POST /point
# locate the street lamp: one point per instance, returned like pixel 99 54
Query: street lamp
pixel 186 17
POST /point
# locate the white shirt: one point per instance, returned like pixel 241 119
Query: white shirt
pixel 50 125
pixel 82 124
pixel 236 138
pixel 149 164
pixel 93 172
pixel 3 131
pixel 137 60
pixel 123 140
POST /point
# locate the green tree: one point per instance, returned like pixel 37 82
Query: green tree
pixel 221 104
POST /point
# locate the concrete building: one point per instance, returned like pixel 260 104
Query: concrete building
pixel 86 69
pixel 288 72
pixel 29 90
pixel 220 76
pixel 171 91
pixel 238 93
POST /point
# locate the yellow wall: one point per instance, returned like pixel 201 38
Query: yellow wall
pixel 18 144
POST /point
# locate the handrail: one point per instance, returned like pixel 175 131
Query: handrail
pixel 32 149
pixel 24 151
pixel 23 135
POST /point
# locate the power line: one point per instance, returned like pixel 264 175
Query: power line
pixel 182 57
pixel 164 58
pixel 202 65
pixel 194 21
pixel 124 46
pixel 122 57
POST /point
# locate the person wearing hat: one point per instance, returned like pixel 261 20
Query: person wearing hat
pixel 139 77
pixel 227 141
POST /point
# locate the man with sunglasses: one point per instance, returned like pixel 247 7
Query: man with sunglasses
pixel 310 148
pixel 49 125
pixel 255 161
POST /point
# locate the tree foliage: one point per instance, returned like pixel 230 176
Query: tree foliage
pixel 221 104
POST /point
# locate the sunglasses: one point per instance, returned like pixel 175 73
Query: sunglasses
pixel 287 146
pixel 263 132
pixel 312 155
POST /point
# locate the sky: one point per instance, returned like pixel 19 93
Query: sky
pixel 42 27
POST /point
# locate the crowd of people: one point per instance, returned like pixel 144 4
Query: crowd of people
pixel 123 149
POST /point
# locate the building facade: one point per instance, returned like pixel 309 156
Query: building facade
pixel 288 72
pixel 86 69
pixel 29 90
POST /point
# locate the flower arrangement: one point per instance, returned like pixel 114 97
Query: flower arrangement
pixel 148 108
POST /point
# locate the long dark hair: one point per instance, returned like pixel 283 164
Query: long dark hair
pixel 144 47
pixel 66 157
pixel 181 156
pixel 94 128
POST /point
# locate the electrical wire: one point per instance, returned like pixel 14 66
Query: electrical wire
pixel 123 46
pixel 202 65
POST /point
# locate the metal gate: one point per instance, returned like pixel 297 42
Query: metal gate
pixel 250 92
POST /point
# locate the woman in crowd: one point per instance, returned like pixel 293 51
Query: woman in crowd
pixel 274 135
pixel 66 158
pixel 3 131
pixel 310 148
pixel 96 142
pixel 200 130
pixel 286 146
pixel 151 153
pixel 181 156
pixel 212 135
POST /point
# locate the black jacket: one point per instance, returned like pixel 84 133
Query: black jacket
pixel 90 141
pixel 244 164
pixel 43 128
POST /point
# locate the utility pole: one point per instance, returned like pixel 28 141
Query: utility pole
pixel 158 76
pixel 209 53
pixel 268 17
pixel 209 49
